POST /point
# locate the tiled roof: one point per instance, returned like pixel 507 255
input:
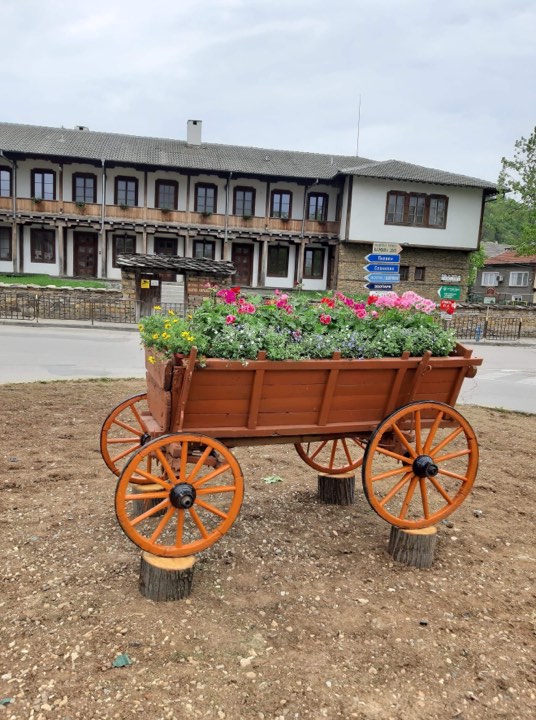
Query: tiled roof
pixel 397 170
pixel 196 266
pixel 510 258
pixel 130 149
pixel 212 157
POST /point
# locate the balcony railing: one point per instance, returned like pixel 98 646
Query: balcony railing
pixel 118 212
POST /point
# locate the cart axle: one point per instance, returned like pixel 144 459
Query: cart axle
pixel 182 496
pixel 424 466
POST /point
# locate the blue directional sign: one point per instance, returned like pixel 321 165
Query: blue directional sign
pixel 377 257
pixel 385 287
pixel 381 267
pixel 383 277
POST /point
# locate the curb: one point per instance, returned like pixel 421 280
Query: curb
pixel 59 324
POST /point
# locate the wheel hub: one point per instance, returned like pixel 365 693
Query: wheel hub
pixel 144 438
pixel 182 496
pixel 424 466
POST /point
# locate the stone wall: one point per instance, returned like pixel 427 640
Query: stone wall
pixel 436 262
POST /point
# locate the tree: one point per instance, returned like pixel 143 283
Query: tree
pixel 476 261
pixel 519 177
pixel 504 220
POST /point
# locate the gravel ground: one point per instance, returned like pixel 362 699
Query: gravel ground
pixel 298 612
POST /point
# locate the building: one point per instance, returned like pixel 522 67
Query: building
pixel 507 278
pixel 71 201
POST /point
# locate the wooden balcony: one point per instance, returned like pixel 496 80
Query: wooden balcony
pixel 116 212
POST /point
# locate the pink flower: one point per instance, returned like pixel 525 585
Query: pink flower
pixel 230 319
pixel 325 319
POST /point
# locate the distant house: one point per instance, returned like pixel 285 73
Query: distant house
pixel 507 277
pixel 73 200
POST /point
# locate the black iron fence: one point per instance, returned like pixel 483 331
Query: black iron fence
pixel 23 306
pixel 476 327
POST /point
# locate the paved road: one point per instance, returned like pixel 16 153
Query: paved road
pixel 62 353
pixel 507 378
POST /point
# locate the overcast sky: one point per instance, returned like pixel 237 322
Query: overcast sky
pixel 449 84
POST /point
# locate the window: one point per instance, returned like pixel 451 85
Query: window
pixel 278 260
pixel 165 246
pixel 84 188
pixel 205 249
pixel 43 246
pixel 5 182
pixel 281 204
pixel 244 202
pixel 5 243
pixel 490 279
pixel 44 184
pixel 126 191
pixel 205 198
pixel 519 279
pixel 420 273
pixel 416 209
pixel 317 207
pixel 313 264
pixel 123 245
pixel 166 194
pixel 404 272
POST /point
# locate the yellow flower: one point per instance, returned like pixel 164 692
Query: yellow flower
pixel 157 307
pixel 155 336
pixel 167 325
pixel 189 317
pixel 165 335
pixel 175 320
pixel 151 359
pixel 141 327
pixel 170 312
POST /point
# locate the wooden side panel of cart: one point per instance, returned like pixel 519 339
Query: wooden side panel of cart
pixel 230 399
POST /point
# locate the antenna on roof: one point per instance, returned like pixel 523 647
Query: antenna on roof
pixel 358 124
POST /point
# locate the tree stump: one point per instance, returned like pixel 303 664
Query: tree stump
pixel 413 547
pixel 337 489
pixel 141 506
pixel 164 579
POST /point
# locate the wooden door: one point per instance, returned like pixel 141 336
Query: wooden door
pixel 148 292
pixel 242 259
pixel 85 254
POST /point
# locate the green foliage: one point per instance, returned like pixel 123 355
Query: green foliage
pixel 519 176
pixel 476 261
pixel 49 280
pixel 233 326
pixel 504 219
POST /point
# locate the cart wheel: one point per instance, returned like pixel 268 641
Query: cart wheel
pixel 123 432
pixel 332 457
pixel 201 491
pixel 420 464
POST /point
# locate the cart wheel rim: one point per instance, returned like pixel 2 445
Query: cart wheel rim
pixel 200 493
pixel 420 464
pixel 123 432
pixel 332 457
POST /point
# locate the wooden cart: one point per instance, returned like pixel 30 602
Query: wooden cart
pixel 393 417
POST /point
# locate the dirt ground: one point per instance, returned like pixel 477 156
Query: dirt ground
pixel 298 612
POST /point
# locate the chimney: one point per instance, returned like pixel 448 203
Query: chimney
pixel 193 132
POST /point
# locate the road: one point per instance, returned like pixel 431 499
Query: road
pixel 62 353
pixel 507 379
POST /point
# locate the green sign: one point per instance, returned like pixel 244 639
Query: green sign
pixel 449 292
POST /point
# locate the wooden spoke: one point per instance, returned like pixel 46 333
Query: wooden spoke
pixel 169 529
pixel 123 426
pixel 441 437
pixel 333 456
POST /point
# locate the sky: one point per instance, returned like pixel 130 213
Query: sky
pixel 450 85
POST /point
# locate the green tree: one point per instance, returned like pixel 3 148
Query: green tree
pixel 504 220
pixel 476 261
pixel 519 177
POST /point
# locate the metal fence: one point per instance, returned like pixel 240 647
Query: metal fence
pixel 476 327
pixel 23 306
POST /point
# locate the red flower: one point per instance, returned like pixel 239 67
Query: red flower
pixel 236 290
pixel 371 299
pixel 328 301
pixel 325 319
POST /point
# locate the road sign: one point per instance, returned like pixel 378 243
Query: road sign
pixel 379 287
pixel 447 306
pixel 382 267
pixel 449 292
pixel 385 247
pixel 383 277
pixel 382 257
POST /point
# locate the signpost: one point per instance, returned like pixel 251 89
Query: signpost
pixel 449 292
pixel 383 267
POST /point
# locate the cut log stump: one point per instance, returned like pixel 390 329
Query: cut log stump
pixel 413 547
pixel 337 489
pixel 141 506
pixel 164 579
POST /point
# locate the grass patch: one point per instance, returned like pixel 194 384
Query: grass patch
pixel 49 280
